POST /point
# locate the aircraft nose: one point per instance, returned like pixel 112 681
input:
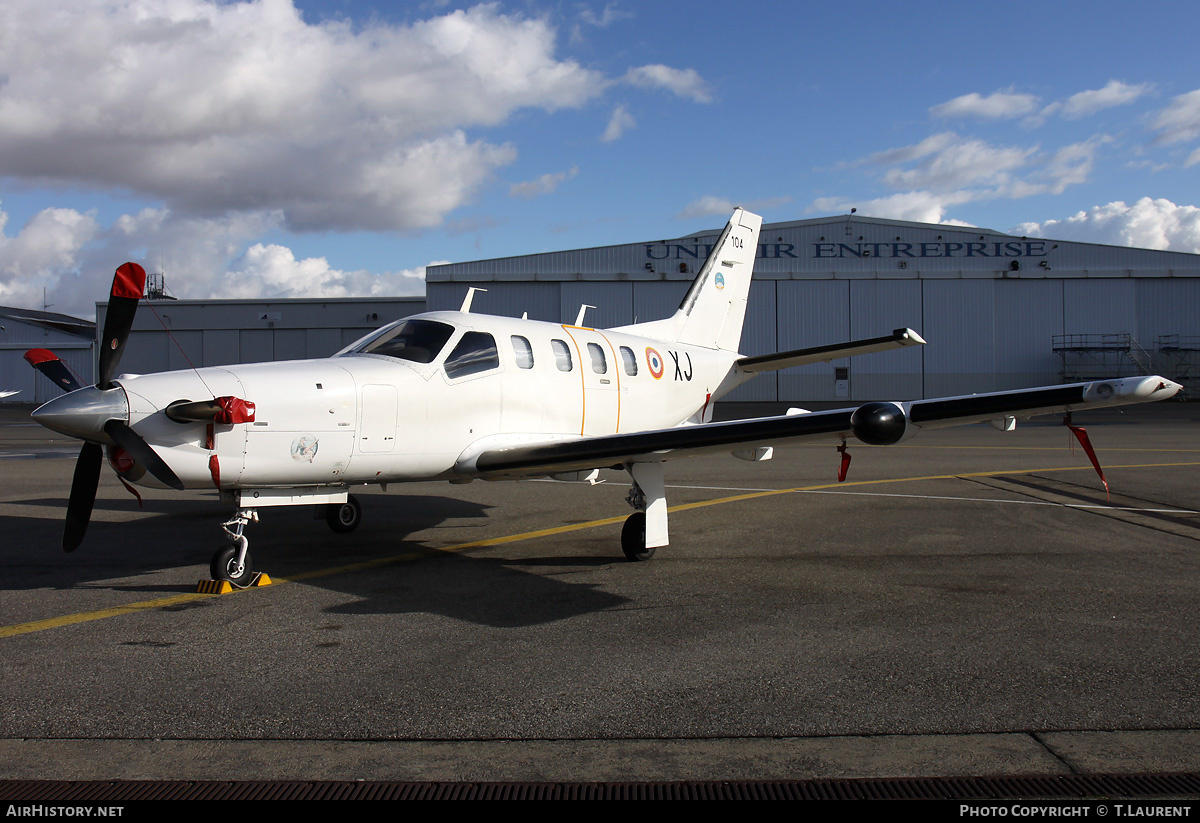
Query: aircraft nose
pixel 83 413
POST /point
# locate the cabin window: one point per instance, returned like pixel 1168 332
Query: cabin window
pixel 599 364
pixel 562 354
pixel 523 351
pixel 475 353
pixel 419 341
pixel 629 360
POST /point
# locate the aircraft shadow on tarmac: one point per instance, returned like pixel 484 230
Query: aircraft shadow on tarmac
pixel 479 589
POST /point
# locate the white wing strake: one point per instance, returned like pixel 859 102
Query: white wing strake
pixel 459 396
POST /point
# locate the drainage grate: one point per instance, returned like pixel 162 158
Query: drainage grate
pixel 943 788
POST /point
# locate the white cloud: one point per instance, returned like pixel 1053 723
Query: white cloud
pixel 917 206
pixel 48 246
pixel 214 107
pixel 620 122
pixel 545 184
pixel 1148 224
pixel 1115 93
pixel 1000 105
pixel 712 205
pixel 951 170
pixel 71 255
pixel 273 272
pixel 683 82
pixel 706 206
pixel 1180 120
pixel 930 145
pixel 960 164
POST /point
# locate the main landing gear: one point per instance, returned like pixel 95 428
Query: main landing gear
pixel 646 529
pixel 344 518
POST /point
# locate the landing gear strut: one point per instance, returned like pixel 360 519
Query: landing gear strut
pixel 646 529
pixel 232 561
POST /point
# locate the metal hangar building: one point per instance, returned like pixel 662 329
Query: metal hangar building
pixel 998 311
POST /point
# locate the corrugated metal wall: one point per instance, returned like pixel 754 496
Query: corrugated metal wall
pixel 217 333
pixel 16 338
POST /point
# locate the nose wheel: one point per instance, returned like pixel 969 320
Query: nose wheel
pixel 232 561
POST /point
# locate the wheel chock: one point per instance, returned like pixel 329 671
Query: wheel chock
pixel 225 587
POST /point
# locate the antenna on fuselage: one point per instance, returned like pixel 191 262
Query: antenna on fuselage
pixel 582 311
pixel 466 306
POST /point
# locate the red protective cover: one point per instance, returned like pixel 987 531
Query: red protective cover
pixel 234 410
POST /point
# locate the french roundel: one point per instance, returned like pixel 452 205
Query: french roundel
pixel 655 362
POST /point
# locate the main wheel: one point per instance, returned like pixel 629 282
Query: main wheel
pixel 344 517
pixel 224 566
pixel 633 538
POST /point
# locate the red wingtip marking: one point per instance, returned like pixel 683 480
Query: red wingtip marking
pixel 845 464
pixel 129 281
pixel 1082 436
pixel 35 356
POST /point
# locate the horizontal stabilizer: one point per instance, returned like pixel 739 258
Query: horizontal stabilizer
pixel 823 354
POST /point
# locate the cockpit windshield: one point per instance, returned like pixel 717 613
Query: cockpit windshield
pixel 419 341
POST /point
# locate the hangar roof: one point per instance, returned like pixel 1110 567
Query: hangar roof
pixel 846 246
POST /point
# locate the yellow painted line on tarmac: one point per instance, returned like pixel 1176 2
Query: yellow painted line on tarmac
pixel 175 600
pixel 85 617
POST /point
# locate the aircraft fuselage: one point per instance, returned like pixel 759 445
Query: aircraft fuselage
pixel 362 417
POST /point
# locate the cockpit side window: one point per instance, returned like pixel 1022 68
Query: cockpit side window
pixel 418 341
pixel 475 353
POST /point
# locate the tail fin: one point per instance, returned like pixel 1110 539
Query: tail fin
pixel 712 311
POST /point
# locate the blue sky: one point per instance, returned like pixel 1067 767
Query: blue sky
pixel 329 148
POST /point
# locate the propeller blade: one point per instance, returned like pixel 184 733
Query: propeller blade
pixel 129 283
pixel 83 494
pixel 140 450
pixel 49 364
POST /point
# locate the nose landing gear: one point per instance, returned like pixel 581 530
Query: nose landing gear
pixel 232 561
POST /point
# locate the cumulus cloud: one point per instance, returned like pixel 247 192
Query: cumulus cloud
pixel 50 243
pixel 1115 93
pixel 72 255
pixel 620 122
pixel 683 82
pixel 1147 224
pixel 211 107
pixel 1000 105
pixel 272 271
pixel 545 184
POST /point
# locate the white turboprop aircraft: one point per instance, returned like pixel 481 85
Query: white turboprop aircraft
pixel 460 396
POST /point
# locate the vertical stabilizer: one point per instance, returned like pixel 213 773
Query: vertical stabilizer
pixel 712 312
pixel 715 305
